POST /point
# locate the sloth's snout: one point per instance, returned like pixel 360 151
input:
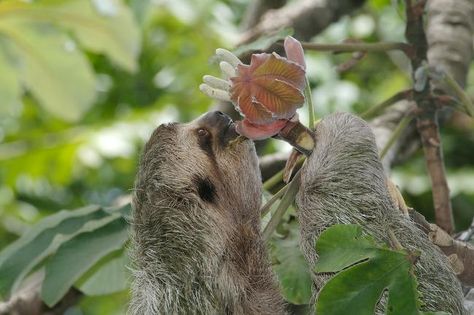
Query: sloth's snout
pixel 216 119
pixel 221 125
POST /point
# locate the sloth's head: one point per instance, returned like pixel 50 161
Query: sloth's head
pixel 195 182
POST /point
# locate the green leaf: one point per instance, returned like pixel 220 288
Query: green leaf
pixel 341 246
pixel 10 89
pixel 263 42
pixel 79 254
pixel 59 77
pixel 49 63
pixel 374 269
pixel 39 160
pixel 291 267
pixel 43 239
pixel 100 26
pixel 108 276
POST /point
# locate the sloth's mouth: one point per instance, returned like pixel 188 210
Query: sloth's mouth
pixel 222 126
pixel 228 134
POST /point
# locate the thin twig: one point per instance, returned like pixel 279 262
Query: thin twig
pixel 286 201
pixel 377 109
pixel 447 80
pixel 367 47
pixel 357 56
pixel 290 165
pixel 404 122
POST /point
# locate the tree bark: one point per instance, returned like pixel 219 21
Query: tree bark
pixel 256 9
pixel 306 17
pixel 450 33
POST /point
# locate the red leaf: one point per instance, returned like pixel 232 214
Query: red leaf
pixel 294 51
pixel 270 88
pixel 259 132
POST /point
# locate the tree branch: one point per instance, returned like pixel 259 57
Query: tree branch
pixel 27 300
pixel 449 32
pixel 256 9
pixel 306 17
pixel 427 122
pixel 461 253
pixel 367 47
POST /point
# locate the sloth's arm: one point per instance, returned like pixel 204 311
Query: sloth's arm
pixel 343 181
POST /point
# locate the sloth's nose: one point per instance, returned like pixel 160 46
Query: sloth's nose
pixel 221 115
pixel 216 119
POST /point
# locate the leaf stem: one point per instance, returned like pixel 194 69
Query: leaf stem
pixel 396 134
pixel 286 201
pixel 375 110
pixel 266 207
pixel 309 101
pixel 278 177
pixel 298 135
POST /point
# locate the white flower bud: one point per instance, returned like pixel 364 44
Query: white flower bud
pixel 216 82
pixel 227 70
pixel 227 56
pixel 215 93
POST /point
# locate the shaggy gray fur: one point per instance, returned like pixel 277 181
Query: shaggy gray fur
pixel 192 254
pixel 343 182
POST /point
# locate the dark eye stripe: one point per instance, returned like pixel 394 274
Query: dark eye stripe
pixel 205 188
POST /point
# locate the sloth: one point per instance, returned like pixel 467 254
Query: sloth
pixel 344 182
pixel 196 241
pixel 197 247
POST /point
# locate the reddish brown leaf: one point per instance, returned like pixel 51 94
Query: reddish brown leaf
pixel 270 88
pixel 249 107
pixel 259 132
pixel 294 51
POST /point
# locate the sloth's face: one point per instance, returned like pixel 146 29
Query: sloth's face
pixel 204 158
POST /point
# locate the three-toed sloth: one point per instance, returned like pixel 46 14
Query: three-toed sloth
pixel 197 242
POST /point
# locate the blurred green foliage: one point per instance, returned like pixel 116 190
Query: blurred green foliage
pixel 72 128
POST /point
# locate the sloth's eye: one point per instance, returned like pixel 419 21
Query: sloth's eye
pixel 202 132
